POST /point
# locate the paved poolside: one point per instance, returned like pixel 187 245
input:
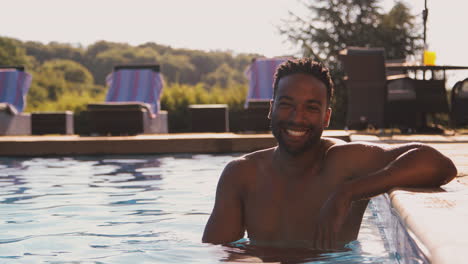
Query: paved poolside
pixel 141 144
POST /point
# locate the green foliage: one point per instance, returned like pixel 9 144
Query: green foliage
pixel 53 50
pixel 225 76
pixel 176 99
pixel 72 101
pixel 334 25
pixel 62 85
pixel 11 53
pixel 67 77
pixel 397 33
pixel 71 71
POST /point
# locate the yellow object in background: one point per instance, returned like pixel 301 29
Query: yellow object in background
pixel 429 58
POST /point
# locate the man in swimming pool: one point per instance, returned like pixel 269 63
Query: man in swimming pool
pixel 311 191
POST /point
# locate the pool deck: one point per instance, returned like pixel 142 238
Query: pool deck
pixel 435 219
pixel 141 144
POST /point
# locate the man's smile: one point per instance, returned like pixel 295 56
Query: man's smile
pixel 296 132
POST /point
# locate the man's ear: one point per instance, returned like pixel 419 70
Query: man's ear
pixel 271 108
pixel 326 121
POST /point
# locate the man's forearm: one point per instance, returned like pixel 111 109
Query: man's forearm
pixel 419 167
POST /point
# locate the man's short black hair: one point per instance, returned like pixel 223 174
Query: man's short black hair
pixel 307 66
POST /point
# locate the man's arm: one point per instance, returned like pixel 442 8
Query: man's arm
pixel 226 221
pixel 376 169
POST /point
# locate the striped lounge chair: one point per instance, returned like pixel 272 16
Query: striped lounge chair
pixel 14 85
pixel 257 104
pixel 132 103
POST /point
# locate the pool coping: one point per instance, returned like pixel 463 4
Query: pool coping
pixel 435 219
pixel 141 144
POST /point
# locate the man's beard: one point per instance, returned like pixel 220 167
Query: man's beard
pixel 314 134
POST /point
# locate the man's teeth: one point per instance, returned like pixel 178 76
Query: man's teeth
pixel 295 132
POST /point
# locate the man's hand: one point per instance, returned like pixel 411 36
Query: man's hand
pixel 331 218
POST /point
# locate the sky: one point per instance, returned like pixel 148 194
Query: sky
pixel 241 26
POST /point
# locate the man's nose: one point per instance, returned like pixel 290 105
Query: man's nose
pixel 298 115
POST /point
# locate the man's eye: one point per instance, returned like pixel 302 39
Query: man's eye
pixel 313 108
pixel 284 104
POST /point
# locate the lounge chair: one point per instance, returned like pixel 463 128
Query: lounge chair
pixel 459 104
pixel 257 104
pixel 375 99
pixel 14 85
pixel 132 103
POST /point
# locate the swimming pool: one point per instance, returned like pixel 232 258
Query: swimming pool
pixel 135 209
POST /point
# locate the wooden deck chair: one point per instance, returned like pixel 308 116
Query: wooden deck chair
pixel 132 103
pixel 375 99
pixel 14 86
pixel 459 104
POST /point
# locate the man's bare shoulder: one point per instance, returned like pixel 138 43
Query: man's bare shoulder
pixel 328 142
pixel 346 148
pixel 345 159
pixel 368 148
pixel 248 163
pixel 258 155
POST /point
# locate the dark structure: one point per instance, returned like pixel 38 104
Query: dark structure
pixel 43 123
pixel 375 99
pixel 123 119
pixel 459 104
pixel 209 118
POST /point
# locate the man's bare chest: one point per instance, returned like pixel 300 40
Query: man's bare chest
pixel 282 209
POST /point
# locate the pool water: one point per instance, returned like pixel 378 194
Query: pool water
pixel 134 209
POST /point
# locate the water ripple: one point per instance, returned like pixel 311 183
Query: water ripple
pixel 132 201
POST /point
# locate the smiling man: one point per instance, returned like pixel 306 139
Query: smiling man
pixel 311 191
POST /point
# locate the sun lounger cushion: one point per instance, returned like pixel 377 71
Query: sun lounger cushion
pixel 14 86
pixel 261 73
pixel 121 106
pixel 130 85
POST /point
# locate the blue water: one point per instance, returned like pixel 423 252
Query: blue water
pixel 133 209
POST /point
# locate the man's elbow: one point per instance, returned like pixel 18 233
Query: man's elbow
pixel 449 172
pixel 444 167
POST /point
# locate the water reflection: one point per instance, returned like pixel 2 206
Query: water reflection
pixel 123 172
pixel 138 169
pixel 10 176
pixel 127 209
pixel 251 253
pixel 248 253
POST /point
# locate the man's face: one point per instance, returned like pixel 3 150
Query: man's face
pixel 299 112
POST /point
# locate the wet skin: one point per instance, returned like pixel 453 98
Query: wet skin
pixel 311 191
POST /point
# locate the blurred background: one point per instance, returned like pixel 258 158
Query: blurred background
pixel 205 46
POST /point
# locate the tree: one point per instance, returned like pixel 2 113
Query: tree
pixel 398 32
pixel 71 70
pixel 11 53
pixel 333 25
pixel 225 76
